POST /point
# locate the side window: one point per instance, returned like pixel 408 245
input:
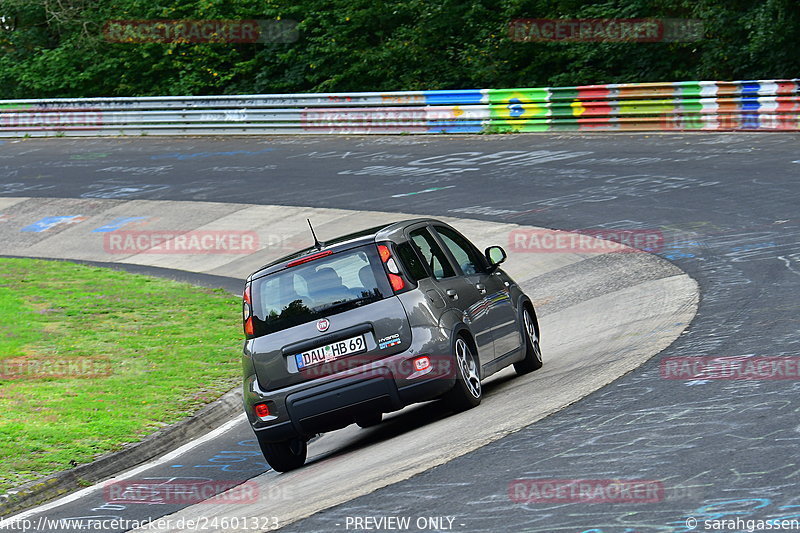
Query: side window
pixel 432 254
pixel 412 261
pixel 463 251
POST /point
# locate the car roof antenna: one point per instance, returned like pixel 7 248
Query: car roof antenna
pixel 317 244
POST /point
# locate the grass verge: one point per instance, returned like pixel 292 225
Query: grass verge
pixel 92 359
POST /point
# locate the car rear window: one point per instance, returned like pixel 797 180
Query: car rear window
pixel 321 287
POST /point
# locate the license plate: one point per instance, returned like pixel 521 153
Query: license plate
pixel 331 352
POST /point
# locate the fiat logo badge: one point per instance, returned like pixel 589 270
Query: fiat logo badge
pixel 323 324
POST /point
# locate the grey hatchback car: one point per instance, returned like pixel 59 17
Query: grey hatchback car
pixel 366 324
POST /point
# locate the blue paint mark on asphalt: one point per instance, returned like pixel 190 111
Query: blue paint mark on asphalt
pixel 50 222
pixel 226 461
pixel 675 249
pixel 116 224
pixel 677 256
pixel 202 155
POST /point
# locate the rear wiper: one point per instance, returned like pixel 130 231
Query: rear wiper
pixel 354 303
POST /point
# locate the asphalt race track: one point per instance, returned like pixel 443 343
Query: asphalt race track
pixel 645 301
pixel 727 207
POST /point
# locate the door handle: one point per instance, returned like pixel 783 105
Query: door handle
pixel 452 294
pixel 481 287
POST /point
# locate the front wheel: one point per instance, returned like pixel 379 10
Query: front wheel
pixel 286 455
pixel 467 391
pixel 533 353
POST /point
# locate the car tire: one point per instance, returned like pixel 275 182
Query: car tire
pixel 286 455
pixel 467 391
pixel 367 420
pixel 533 352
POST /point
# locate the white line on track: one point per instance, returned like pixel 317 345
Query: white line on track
pixel 130 473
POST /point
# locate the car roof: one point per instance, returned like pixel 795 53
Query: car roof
pixel 385 232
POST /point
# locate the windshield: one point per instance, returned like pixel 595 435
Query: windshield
pixel 322 287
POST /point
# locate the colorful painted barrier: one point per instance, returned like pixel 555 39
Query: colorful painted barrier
pixel 764 105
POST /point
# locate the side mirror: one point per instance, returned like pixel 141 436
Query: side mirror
pixel 495 255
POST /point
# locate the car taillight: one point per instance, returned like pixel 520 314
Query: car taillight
pixel 395 279
pixel 262 410
pixel 247 312
pixel 384 252
pixel 396 282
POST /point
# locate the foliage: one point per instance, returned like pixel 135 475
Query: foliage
pixel 58 48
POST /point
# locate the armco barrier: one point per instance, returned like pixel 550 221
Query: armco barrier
pixel 764 105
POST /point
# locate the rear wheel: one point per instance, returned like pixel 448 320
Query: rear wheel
pixel 533 353
pixel 467 392
pixel 286 455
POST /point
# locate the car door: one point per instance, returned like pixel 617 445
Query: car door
pixel 494 304
pixel 458 292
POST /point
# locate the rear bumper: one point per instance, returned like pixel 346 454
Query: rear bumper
pixel 335 401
